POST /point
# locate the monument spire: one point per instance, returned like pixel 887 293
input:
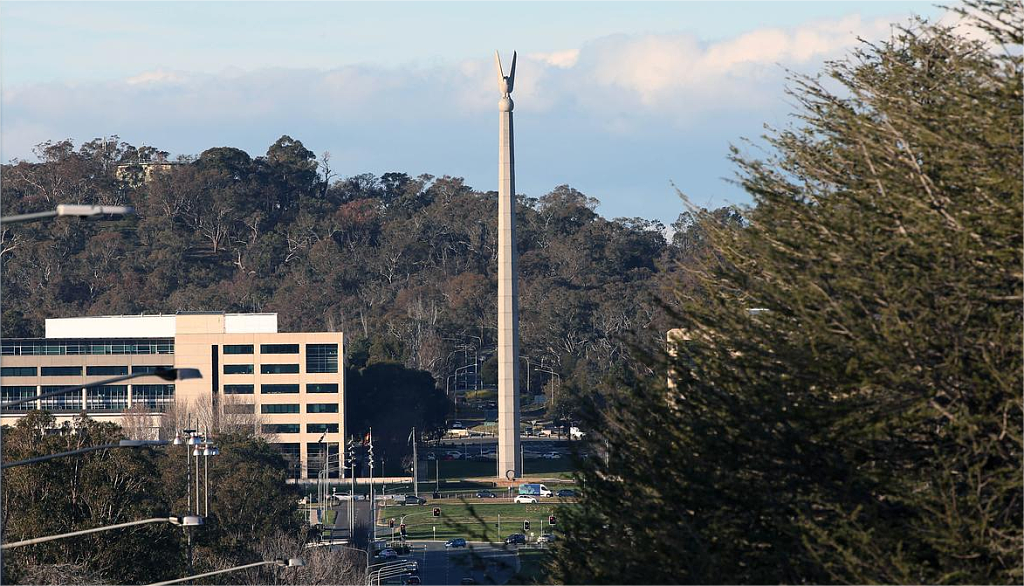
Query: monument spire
pixel 510 465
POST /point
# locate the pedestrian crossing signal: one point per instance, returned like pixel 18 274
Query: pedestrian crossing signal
pixel 391 523
pixel 551 519
pixel 402 529
pixel 526 525
pixel 437 511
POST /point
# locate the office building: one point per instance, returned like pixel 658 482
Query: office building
pixel 290 387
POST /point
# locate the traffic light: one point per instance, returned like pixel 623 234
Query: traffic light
pixel 526 525
pixel 391 523
pixel 437 511
pixel 551 519
pixel 402 529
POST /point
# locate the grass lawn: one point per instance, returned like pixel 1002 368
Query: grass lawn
pixel 474 521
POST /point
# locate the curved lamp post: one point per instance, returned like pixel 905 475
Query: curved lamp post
pixel 125 443
pixel 185 521
pixel 283 562
pixel 74 210
pixel 167 374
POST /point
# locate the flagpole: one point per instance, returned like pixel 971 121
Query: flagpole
pixel 373 502
pixel 415 466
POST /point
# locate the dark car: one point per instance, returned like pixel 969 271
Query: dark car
pixel 566 492
pixel 457 542
pixel 485 494
pixel 515 539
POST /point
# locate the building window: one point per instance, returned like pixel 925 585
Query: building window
pixel 157 398
pixel 53 347
pixel 106 370
pixel 148 368
pixel 71 401
pixel 61 370
pixel 18 371
pixel 321 358
pixel 238 348
pixel 279 369
pixel 322 388
pixel 279 348
pixel 280 428
pixel 292 455
pixel 280 408
pixel 8 394
pixel 238 389
pixel 321 428
pixel 107 398
pixel 237 369
pixel 239 409
pixel 278 389
pixel 322 408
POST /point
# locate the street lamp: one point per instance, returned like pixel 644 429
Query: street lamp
pixel 282 562
pixel 167 374
pixel 125 443
pixel 73 210
pixel 184 521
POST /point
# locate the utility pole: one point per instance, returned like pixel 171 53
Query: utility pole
pixel 415 467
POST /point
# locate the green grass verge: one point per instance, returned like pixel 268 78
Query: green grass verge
pixel 474 521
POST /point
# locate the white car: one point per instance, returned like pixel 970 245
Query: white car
pixel 526 499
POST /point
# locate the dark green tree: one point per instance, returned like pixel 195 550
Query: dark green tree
pixel 845 402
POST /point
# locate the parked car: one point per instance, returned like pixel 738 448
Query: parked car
pixel 387 554
pixel 457 425
pixel 566 492
pixel 546 538
pixel 485 494
pixel 457 542
pixel 553 456
pixel 515 539
pixel 526 499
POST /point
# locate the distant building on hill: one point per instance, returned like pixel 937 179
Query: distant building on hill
pixel 289 387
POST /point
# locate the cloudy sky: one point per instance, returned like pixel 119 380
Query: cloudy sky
pixel 619 100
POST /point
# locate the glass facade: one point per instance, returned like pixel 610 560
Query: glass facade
pixel 238 389
pixel 322 387
pixel 321 428
pixel 237 369
pixel 280 408
pixel 280 428
pixel 106 370
pixel 61 370
pixel 145 369
pixel 278 389
pixel 71 401
pixel 107 398
pixel 238 349
pixel 321 358
pixel 157 398
pixel 14 393
pixel 279 348
pixel 54 346
pixel 279 369
pixel 322 408
pixel 18 371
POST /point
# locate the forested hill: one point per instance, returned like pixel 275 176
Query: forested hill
pixel 405 266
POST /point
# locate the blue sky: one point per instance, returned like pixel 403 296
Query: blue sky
pixel 619 100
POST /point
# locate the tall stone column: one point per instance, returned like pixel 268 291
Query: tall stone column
pixel 509 464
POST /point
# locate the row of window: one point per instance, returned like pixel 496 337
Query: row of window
pixel 104 398
pixel 264 369
pixel 294 408
pixel 47 347
pixel 319 357
pixel 295 428
pixel 76 370
pixel 280 389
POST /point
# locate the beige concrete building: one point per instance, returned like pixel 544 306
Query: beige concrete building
pixel 289 386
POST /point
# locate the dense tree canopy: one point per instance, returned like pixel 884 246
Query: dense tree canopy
pixel 846 398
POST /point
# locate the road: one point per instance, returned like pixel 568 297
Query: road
pixel 484 562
